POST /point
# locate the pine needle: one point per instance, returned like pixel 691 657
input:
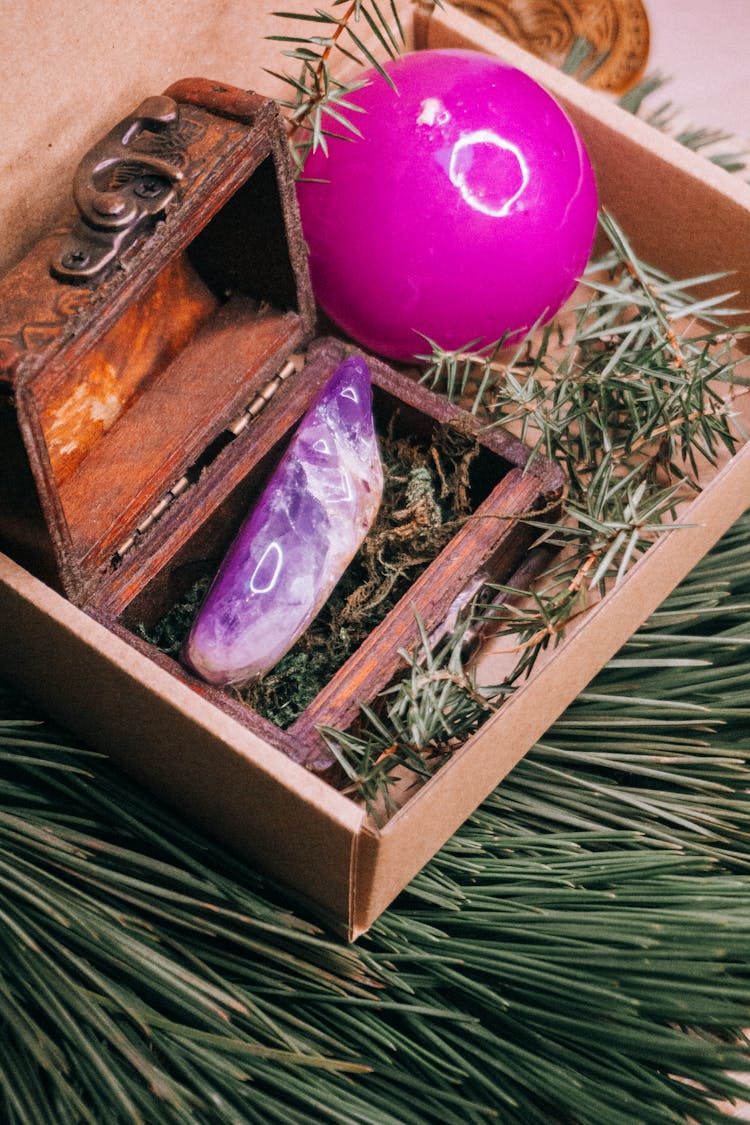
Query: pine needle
pixel 576 952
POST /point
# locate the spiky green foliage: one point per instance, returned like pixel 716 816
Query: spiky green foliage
pixel 579 951
pixel 583 61
pixel 317 105
pixel 626 393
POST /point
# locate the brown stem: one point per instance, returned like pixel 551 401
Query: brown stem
pixel 318 74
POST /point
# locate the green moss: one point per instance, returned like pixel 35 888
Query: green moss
pixel 170 631
pixel 426 498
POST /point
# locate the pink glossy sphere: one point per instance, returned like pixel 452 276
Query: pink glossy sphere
pixel 465 212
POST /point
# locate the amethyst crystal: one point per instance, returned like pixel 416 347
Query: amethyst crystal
pixel 296 543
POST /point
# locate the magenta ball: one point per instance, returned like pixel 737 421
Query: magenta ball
pixel 465 212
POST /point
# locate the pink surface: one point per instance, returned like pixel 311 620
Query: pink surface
pixel 701 48
pixel 465 212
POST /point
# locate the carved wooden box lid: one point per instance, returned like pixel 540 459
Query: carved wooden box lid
pixel 136 337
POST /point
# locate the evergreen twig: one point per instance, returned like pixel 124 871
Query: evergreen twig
pixel 665 117
pixel 626 393
pixel 317 104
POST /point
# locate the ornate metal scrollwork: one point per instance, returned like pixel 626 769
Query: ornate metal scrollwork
pixel 122 186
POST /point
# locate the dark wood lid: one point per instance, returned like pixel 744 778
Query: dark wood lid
pixel 119 382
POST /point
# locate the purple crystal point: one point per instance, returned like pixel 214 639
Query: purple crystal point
pixel 296 543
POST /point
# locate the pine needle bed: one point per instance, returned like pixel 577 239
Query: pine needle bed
pixel 579 951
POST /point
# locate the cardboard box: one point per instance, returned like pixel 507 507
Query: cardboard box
pixel 227 777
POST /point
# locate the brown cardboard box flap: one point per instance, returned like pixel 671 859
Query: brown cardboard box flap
pixel 198 760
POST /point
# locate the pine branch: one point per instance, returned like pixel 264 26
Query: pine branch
pixel 317 106
pixel 583 61
pixel 665 117
pixel 626 393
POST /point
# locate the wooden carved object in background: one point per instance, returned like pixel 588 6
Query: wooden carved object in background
pixel 618 30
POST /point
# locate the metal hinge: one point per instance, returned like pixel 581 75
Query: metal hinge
pixel 233 430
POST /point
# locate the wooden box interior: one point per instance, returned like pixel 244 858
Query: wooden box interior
pixel 166 378
pixel 489 547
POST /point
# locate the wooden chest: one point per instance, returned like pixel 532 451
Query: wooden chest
pixel 156 354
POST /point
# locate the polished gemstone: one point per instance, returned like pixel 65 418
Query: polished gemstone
pixel 299 538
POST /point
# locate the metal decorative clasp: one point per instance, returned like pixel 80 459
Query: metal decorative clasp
pixel 122 186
